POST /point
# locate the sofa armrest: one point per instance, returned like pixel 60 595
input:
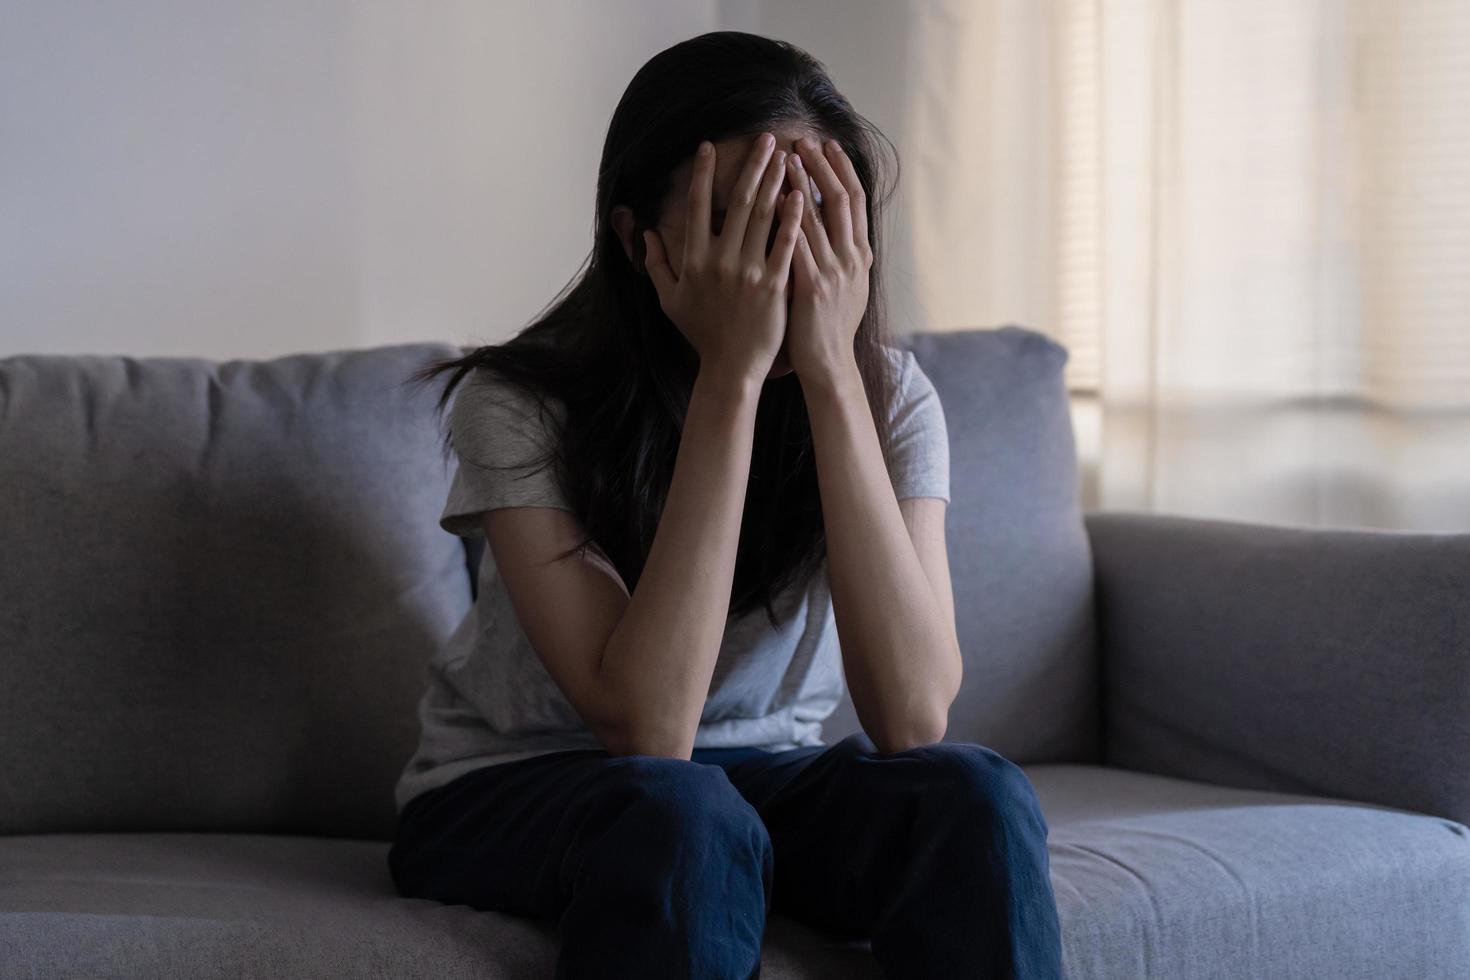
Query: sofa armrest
pixel 1327 661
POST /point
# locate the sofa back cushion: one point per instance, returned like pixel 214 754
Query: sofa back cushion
pixel 1018 550
pixel 221 583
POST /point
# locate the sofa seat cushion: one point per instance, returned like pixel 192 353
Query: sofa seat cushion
pixel 1170 878
pixel 204 906
pixel 1154 877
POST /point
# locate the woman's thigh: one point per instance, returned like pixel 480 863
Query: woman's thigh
pixel 511 836
pixel 842 818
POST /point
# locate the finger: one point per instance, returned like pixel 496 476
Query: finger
pixel 737 216
pixel 657 264
pixel 776 219
pixel 836 201
pixel 803 263
pixel 779 263
pixel 810 223
pixel 701 188
pixel 857 197
pixel 759 229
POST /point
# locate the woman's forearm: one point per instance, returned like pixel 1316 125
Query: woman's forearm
pixel 899 650
pixel 660 658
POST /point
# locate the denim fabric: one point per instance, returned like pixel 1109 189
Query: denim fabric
pixel 666 867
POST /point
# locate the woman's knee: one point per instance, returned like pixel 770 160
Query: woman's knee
pixel 686 799
pixel 985 776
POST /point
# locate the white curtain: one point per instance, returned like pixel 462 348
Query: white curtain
pixel 1248 220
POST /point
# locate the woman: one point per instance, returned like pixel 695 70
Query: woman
pixel 695 473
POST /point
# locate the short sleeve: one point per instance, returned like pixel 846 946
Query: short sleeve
pixel 918 464
pixel 503 448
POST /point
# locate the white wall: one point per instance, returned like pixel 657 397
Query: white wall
pixel 246 180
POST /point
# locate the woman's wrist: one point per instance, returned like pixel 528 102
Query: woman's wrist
pixel 735 381
pixel 829 378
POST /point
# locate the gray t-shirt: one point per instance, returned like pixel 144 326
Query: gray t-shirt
pixel 489 697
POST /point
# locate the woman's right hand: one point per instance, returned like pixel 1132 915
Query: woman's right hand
pixel 730 298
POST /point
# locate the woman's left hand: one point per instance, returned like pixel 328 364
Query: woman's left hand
pixel 829 269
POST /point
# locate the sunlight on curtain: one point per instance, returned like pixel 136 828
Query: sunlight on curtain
pixel 1249 222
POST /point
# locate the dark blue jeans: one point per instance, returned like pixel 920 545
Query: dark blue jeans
pixel 662 867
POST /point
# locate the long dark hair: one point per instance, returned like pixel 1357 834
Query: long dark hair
pixel 624 371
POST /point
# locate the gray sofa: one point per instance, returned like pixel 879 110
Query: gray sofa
pixel 221 581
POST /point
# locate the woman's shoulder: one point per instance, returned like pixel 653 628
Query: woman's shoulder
pixel 909 379
pixel 898 357
pixel 486 392
pixel 491 410
pixel 902 360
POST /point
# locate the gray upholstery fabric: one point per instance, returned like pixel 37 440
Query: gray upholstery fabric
pixel 1167 879
pixel 1018 551
pixel 1155 878
pixel 221 583
pixel 182 906
pixel 1330 661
